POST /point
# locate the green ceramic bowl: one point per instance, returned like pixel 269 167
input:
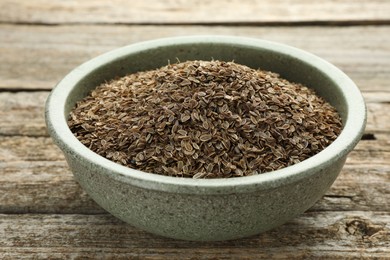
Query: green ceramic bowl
pixel 207 209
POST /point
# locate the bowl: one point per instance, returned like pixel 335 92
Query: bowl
pixel 207 209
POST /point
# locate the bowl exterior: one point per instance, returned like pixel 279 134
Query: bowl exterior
pixel 200 217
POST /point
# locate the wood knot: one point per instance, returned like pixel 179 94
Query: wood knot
pixel 362 228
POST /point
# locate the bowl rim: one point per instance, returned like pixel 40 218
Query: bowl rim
pixel 344 143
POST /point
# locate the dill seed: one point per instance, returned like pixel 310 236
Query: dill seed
pixel 204 119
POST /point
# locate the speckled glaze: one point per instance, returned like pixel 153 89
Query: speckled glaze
pixel 211 209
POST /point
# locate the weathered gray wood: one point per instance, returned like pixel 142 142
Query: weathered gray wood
pixel 23 148
pixel 49 187
pixel 30 165
pixel 22 113
pixel 326 235
pixel 195 11
pixel 37 57
pixel 44 213
pixel 42 187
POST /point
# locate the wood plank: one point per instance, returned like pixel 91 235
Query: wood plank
pixel 24 148
pixel 44 213
pixel 22 113
pixel 37 57
pixel 31 165
pixel 42 187
pixel 320 235
pixel 358 187
pixel 371 152
pixel 189 12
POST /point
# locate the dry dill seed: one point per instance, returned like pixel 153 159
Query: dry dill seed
pixel 204 119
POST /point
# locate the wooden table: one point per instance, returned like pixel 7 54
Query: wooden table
pixel 45 214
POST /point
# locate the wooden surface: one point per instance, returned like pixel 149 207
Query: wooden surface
pixel 195 11
pixel 45 214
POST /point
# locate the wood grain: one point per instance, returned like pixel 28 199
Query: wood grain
pixel 45 214
pixel 312 235
pixel 24 148
pixel 195 11
pixel 359 187
pixel 22 113
pixel 42 187
pixel 30 165
pixel 37 57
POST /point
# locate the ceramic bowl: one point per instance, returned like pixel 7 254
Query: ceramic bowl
pixel 207 209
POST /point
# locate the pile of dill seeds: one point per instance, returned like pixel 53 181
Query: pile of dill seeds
pixel 204 119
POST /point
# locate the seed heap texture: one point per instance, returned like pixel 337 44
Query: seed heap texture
pixel 204 119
